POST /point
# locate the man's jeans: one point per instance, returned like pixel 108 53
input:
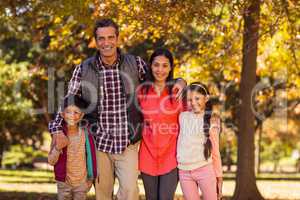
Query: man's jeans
pixel 125 167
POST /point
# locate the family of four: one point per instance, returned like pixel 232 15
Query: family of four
pixel 118 95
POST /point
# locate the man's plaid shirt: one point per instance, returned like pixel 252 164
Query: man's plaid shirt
pixel 112 133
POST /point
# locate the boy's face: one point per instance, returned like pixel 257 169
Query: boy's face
pixel 72 115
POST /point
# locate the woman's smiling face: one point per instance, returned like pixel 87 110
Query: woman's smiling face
pixel 161 68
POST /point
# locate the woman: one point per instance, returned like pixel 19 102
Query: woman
pixel 157 155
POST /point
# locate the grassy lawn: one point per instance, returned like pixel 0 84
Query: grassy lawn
pixel 40 185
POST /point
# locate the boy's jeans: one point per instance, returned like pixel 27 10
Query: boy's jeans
pixel 67 192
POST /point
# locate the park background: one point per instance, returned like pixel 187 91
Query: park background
pixel 246 51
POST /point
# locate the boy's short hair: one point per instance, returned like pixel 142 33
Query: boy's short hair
pixel 74 100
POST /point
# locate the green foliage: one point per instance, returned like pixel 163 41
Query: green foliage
pixel 280 138
pixel 19 156
pixel 13 106
pixel 17 125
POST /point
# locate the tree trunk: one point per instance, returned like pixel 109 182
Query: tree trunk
pixel 246 188
pixel 260 131
pixel 229 156
pixel 1 153
pixel 275 166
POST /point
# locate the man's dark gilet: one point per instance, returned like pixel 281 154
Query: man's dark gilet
pixel 92 92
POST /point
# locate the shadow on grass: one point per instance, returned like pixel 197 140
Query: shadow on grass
pixel 49 196
pixel 26 196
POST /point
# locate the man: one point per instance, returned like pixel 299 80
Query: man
pixel 108 82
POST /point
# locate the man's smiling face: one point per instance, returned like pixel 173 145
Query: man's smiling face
pixel 107 41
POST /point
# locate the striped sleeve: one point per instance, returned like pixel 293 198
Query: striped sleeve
pixel 75 82
pixel 53 154
pixel 142 68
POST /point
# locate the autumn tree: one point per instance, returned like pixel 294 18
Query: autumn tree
pixel 213 41
pixel 245 180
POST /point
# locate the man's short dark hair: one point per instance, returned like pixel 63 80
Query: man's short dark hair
pixel 105 23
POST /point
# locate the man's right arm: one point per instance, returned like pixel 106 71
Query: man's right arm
pixel 74 88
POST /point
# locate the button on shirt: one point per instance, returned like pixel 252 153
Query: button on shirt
pixel 112 134
pixel 157 153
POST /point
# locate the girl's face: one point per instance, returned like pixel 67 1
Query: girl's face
pixel 72 115
pixel 196 101
pixel 161 68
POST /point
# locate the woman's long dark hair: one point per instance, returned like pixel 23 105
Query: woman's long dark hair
pixel 202 89
pixel 150 77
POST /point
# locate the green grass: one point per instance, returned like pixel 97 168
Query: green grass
pixel 28 173
pixel 40 185
pixel 269 176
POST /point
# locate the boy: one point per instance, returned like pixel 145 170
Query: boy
pixel 74 159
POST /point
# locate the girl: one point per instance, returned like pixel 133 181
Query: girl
pixel 198 153
pixel 157 154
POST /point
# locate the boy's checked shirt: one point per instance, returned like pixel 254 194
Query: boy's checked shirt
pixel 112 135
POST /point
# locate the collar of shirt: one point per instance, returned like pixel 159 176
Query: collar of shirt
pixel 164 92
pixel 104 66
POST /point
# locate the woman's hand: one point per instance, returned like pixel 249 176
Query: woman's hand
pixel 219 187
pixel 178 88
